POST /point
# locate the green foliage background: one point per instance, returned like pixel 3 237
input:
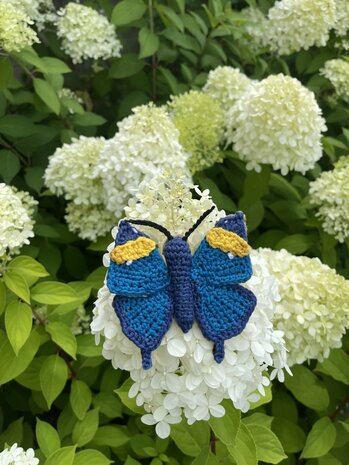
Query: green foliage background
pixel 57 393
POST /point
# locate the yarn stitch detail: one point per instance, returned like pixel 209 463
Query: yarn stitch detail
pixel 227 241
pixel 132 250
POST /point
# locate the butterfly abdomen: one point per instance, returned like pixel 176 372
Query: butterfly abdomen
pixel 179 264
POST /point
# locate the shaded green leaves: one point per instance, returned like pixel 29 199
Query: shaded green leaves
pixel 226 428
pixel 126 66
pixel 16 126
pixel 320 439
pixel 18 324
pixel 53 293
pixel 17 284
pixel 244 450
pixel 53 376
pixel 127 11
pixel 91 457
pixel 64 456
pixel 9 165
pixel 5 72
pixel 291 436
pixel 85 429
pixel 47 94
pixel 112 436
pixel 148 41
pixel 47 437
pixel 307 388
pixel 336 366
pixel 268 446
pixel 295 243
pixel 80 398
pixel 190 439
pixel 61 334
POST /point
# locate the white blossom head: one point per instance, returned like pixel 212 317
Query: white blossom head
pixel 16 219
pixel 226 85
pixel 18 456
pixel 330 194
pixel 342 18
pixel 337 72
pixel 39 11
pixel 313 311
pixel 277 121
pixel 89 221
pixel 70 171
pixel 146 143
pixel 15 28
pixel 185 381
pixel 200 121
pixel 300 24
pixel 86 34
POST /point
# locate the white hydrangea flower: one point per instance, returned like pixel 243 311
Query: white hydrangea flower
pixel 89 221
pixel 313 311
pixel 330 193
pixel 15 31
pixel 185 381
pixel 337 71
pixel 70 170
pixel 342 18
pixel 226 85
pixel 258 27
pixel 85 34
pixel 39 11
pixel 277 121
pixel 300 24
pixel 18 456
pixel 146 143
pixel 16 219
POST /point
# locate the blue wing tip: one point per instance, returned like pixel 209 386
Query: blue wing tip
pixel 126 232
pixel 218 351
pixel 146 359
pixel 234 223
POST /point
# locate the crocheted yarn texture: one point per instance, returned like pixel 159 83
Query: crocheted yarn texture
pixel 205 287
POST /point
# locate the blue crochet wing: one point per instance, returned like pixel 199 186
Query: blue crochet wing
pixel 139 279
pixel 221 262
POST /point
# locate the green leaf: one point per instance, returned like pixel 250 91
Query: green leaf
pixel 168 15
pixel 87 346
pixel 127 11
pixel 282 186
pixel 80 398
pixel 17 284
pixel 9 165
pixel 28 267
pixel 244 450
pixel 30 377
pixel 190 439
pixel 148 41
pixel 88 119
pixel 123 391
pixel 16 126
pixel 2 297
pixel 111 435
pixel 143 445
pixel 61 334
pixel 336 366
pixel 47 437
pixel 227 427
pixel 53 376
pixel 85 429
pixel 128 65
pixel 295 243
pixel 64 456
pixel 307 388
pixel 291 436
pixel 55 66
pixel 268 446
pixel 47 94
pixel 206 458
pixel 34 177
pixel 5 72
pixel 18 323
pixel 12 434
pixel 53 293
pixel 12 366
pixel 320 440
pixel 91 457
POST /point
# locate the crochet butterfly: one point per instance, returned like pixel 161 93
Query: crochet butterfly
pixel 149 293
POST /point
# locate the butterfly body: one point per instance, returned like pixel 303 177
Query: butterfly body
pixel 150 292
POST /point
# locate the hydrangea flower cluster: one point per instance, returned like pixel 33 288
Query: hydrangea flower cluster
pixel 147 142
pixel 313 311
pixel 39 11
pixel 226 85
pixel 74 25
pixel 16 219
pixel 15 30
pixel 70 173
pixel 337 72
pixel 330 193
pixel 18 456
pixel 200 131
pixel 342 18
pixel 277 121
pixel 300 24
pixel 185 381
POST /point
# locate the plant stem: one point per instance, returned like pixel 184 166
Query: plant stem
pixel 213 440
pixel 154 62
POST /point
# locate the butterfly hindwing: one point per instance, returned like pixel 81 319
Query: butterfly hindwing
pixel 139 279
pixel 221 262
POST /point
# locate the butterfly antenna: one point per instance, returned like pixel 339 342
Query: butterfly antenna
pixel 198 222
pixel 153 225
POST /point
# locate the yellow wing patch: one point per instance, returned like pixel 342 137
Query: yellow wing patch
pixel 227 241
pixel 132 250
